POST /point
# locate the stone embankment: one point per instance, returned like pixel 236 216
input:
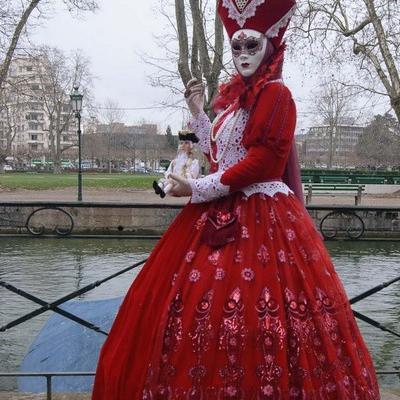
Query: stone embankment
pixel 380 212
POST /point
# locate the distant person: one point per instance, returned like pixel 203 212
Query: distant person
pixel 240 300
pixel 184 165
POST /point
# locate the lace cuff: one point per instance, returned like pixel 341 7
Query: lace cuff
pixel 201 126
pixel 208 188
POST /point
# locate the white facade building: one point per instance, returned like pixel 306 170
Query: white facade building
pixel 336 145
pixel 23 115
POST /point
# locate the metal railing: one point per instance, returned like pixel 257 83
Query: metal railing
pixel 48 375
pixel 339 218
pixel 55 305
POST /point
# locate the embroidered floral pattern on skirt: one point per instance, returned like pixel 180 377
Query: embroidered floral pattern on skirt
pixel 262 318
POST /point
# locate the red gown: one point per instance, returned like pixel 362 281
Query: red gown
pixel 239 300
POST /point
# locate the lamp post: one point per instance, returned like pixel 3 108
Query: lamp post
pixel 76 101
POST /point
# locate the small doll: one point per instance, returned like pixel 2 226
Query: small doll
pixel 184 165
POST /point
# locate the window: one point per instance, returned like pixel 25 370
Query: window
pixel 33 126
pixel 34 146
pixel 34 137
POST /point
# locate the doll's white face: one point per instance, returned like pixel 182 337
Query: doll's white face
pixel 185 146
pixel 248 50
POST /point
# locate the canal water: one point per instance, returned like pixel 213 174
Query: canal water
pixel 51 268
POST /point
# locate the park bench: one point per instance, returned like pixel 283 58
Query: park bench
pixel 396 180
pixel 372 180
pixel 337 189
pixel 335 179
pixel 307 179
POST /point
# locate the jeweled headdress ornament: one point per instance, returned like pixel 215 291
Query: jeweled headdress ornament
pixel 270 17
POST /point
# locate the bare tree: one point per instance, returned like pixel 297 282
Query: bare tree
pixel 380 144
pixel 14 18
pixel 195 48
pixel 9 108
pixel 12 103
pixel 12 29
pixel 112 116
pixel 364 33
pixel 332 106
pixel 57 75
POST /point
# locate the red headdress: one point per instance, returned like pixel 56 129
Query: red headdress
pixel 270 17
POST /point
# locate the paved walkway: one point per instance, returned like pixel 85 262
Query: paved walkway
pixel 373 197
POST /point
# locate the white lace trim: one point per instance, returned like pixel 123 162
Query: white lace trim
pixel 201 126
pixel 268 188
pixel 248 12
pixel 274 30
pixel 208 188
pixel 232 140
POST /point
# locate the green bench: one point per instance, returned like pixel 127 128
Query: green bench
pixel 307 179
pixel 337 189
pixel 372 180
pixel 335 179
pixel 396 180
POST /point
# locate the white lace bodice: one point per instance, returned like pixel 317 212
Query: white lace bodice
pixel 230 151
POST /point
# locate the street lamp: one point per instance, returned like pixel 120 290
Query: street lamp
pixel 76 102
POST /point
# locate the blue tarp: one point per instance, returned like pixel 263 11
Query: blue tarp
pixel 63 345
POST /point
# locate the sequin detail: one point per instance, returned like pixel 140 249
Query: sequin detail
pixel 241 10
pixel 270 337
pixel 232 341
pixel 201 336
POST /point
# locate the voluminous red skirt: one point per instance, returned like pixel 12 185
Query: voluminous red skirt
pixel 263 317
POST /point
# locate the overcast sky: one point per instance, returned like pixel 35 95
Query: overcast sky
pixel 113 36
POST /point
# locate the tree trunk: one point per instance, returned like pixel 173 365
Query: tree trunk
pixel 201 64
pixel 5 66
pixel 396 106
pixel 183 61
pixel 57 153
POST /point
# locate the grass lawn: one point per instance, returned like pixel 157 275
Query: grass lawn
pixel 42 181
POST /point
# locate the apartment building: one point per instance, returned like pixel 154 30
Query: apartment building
pixel 332 146
pixel 24 119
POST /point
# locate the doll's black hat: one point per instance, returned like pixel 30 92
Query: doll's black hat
pixel 188 135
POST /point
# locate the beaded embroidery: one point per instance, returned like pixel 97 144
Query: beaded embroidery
pixel 242 10
pixel 172 338
pixel 232 340
pixel 241 4
pixel 288 328
pixel 270 337
pixel 263 254
pixel 201 336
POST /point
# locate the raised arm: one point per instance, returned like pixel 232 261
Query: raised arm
pixel 201 126
pixel 200 123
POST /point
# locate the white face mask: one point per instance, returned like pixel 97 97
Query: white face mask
pixel 248 50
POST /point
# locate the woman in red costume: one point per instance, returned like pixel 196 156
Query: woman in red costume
pixel 239 300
